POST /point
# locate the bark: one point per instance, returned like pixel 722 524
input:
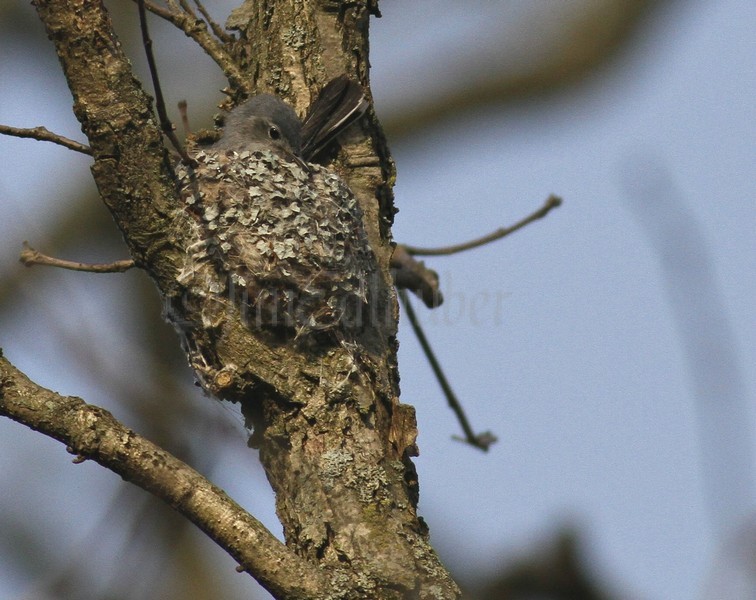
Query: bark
pixel 93 433
pixel 333 437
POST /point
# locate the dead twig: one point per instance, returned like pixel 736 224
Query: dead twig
pixel 184 117
pixel 481 441
pixel 198 31
pixel 165 123
pixel 551 203
pixel 45 135
pixel 30 257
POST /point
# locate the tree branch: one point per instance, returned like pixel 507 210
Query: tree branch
pixel 165 122
pixel 588 42
pixel 30 257
pixel 481 441
pixel 92 433
pixel 217 29
pixel 197 30
pixel 45 135
pixel 413 275
pixel 551 203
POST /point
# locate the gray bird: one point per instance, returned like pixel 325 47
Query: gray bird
pixel 265 122
pixel 286 237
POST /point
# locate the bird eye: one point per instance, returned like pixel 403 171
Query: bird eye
pixel 274 133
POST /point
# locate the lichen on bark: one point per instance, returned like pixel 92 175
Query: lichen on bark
pixel 334 439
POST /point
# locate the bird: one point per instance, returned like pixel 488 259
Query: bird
pixel 284 235
pixel 266 121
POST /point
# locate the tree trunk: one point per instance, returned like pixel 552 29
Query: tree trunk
pixel 334 439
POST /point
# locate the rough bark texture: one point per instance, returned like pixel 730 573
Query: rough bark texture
pixel 93 433
pixel 334 439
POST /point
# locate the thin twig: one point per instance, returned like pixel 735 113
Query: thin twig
pixel 186 8
pixel 45 135
pixel 158 10
pixel 30 257
pixel 197 30
pixel 184 117
pixel 217 29
pixel 165 123
pixel 482 440
pixel 551 203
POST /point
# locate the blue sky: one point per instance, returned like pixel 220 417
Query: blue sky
pixel 584 372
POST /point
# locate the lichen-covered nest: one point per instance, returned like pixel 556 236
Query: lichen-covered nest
pixel 288 240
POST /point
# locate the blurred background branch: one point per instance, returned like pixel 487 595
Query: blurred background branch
pixel 589 36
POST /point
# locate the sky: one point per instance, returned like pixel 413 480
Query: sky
pixel 610 346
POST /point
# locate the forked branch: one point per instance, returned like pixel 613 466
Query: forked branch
pixel 197 29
